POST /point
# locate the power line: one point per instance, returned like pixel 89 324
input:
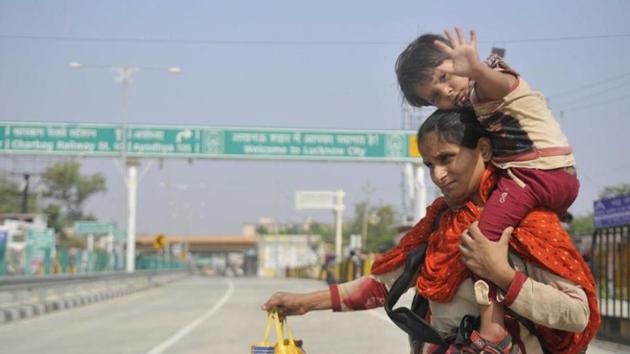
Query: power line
pixel 596 104
pixel 615 77
pixel 200 41
pixel 568 38
pixel 283 42
pixel 589 96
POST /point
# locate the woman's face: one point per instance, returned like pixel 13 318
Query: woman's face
pixel 455 169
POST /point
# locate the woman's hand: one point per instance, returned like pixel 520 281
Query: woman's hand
pixel 486 258
pixel 287 304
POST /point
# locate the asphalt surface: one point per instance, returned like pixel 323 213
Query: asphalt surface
pixel 205 315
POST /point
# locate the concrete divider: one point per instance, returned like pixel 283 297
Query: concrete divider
pixel 25 300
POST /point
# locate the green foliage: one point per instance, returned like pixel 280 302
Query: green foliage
pixel 290 229
pixel 11 197
pixel 326 232
pixel 582 225
pixel 380 227
pixel 262 230
pixel 613 191
pixel 67 191
pixel 379 222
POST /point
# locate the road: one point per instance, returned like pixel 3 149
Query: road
pixel 197 315
pixel 202 315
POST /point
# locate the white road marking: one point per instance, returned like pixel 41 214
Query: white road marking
pixel 192 325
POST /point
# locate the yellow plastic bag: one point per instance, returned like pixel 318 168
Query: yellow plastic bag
pixel 283 346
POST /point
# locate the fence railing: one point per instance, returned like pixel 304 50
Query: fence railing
pixel 610 264
pixel 79 261
pixel 346 270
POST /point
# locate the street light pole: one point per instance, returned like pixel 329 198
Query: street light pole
pixel 125 78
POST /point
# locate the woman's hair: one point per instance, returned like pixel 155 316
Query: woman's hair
pixel 416 64
pixel 459 127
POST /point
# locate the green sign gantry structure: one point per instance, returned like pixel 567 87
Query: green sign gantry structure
pixel 86 139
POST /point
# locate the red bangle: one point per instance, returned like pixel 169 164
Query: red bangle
pixel 334 297
pixel 515 288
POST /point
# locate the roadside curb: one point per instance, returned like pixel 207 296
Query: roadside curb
pixel 15 313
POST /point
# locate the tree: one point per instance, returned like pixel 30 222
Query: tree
pixel 381 222
pixel 582 225
pixel 11 197
pixel 326 232
pixel 66 192
pixel 614 191
pixel 262 230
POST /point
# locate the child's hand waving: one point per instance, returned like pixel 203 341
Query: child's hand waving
pixel 463 55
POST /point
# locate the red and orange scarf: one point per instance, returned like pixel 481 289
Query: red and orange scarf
pixel 539 239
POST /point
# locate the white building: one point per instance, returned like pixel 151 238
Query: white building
pixel 277 252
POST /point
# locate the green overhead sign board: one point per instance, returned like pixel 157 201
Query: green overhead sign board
pixel 208 142
pixel 60 138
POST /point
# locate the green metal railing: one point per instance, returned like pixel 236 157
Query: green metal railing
pixel 78 261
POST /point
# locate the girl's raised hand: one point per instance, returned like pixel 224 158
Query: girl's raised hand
pixel 463 55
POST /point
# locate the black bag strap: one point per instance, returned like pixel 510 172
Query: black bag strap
pixel 412 323
pixel 412 320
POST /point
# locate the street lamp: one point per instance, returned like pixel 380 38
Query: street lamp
pixel 124 74
pixel 124 77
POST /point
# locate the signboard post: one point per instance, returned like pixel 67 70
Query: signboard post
pixel 4 238
pixel 325 200
pixel 92 228
pixel 614 211
pixel 38 250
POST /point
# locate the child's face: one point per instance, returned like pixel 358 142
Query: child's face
pixel 445 91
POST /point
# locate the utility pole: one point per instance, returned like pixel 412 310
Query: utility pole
pixel 124 76
pixel 413 186
pixel 367 191
pixel 26 176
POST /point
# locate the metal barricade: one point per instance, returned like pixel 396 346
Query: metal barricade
pixel 610 264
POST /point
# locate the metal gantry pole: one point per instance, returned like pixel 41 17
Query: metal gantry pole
pixel 420 195
pixel 132 188
pixel 339 207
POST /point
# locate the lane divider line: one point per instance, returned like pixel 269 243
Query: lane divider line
pixel 192 325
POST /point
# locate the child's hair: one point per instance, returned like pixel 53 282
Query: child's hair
pixel 459 127
pixel 416 64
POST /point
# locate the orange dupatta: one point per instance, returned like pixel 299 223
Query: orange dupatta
pixel 539 239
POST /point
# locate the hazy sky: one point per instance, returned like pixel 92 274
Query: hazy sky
pixel 318 64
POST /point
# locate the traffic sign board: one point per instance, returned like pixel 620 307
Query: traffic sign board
pixel 41 238
pixel 310 144
pixel 613 211
pixel 92 227
pixel 315 200
pixel 60 138
pixel 163 141
pixel 207 142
